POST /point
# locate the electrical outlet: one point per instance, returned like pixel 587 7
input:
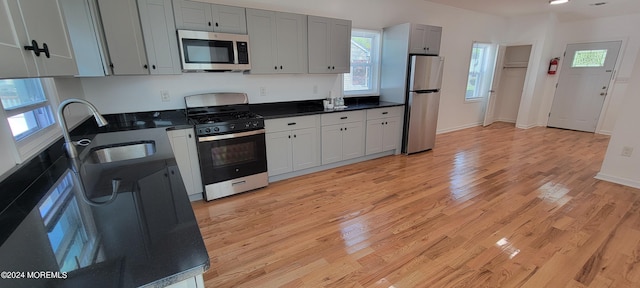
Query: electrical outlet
pixel 164 96
pixel 627 151
pixel 263 91
pixel 315 89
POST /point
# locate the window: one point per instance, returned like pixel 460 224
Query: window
pixel 589 58
pixel 480 71
pixel 26 105
pixel 365 55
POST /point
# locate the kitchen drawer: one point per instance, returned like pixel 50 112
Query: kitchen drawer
pixel 342 117
pixel 290 123
pixel 384 112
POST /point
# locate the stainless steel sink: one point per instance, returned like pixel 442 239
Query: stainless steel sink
pixel 122 151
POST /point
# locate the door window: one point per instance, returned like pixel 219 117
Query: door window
pixel 589 58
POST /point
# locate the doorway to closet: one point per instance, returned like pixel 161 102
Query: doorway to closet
pixel 508 83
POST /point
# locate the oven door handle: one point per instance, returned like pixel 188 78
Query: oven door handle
pixel 230 136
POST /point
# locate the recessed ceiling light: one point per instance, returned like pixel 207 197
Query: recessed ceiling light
pixel 556 2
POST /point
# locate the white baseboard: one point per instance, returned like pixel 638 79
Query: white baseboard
pixel 527 126
pixel 604 132
pixel 506 120
pixel 458 128
pixel 618 180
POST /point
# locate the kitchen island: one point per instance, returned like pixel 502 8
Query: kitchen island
pixel 95 223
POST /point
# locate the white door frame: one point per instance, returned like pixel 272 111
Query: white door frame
pixel 607 100
pixel 523 106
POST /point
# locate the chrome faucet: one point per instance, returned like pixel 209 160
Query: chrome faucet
pixel 71 150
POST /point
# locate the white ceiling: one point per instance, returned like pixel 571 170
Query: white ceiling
pixel 574 10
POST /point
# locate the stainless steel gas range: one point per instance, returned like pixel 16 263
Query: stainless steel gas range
pixel 231 143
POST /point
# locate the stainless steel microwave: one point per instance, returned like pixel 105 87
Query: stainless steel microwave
pixel 208 51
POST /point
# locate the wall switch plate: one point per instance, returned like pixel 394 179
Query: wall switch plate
pixel 164 96
pixel 263 91
pixel 627 151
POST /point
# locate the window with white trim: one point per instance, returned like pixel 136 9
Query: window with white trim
pixel 363 79
pixel 481 65
pixel 26 106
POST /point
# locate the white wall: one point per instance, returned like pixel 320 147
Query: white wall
pixel 616 168
pixel 142 93
pixel 537 30
pixel 623 28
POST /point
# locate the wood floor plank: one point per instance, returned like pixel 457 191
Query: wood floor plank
pixel 490 206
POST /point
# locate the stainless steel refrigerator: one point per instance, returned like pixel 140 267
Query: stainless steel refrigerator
pixel 422 103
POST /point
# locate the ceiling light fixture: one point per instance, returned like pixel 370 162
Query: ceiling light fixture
pixel 556 2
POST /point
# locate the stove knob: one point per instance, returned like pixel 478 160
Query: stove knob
pixel 255 124
pixel 232 126
pixel 216 129
pixel 208 130
pixel 247 124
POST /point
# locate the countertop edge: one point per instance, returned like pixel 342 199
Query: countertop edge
pixel 326 111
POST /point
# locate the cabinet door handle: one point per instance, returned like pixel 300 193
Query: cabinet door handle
pixel 342 118
pixel 289 136
pixel 294 135
pixel 329 67
pixel 275 67
pixel 340 129
pixel 145 66
pixel 333 67
pixel 345 128
pixel 153 66
pixel 217 24
pixel 37 50
pixel 189 135
pixel 209 23
pixel 280 67
pixel 385 113
pixel 291 124
pixel 386 123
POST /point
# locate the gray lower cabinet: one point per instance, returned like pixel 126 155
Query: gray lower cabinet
pixel 31 23
pixel 342 136
pixel 383 130
pixel 185 150
pixel 199 16
pixel 292 144
pixel 278 42
pixel 193 282
pixel 329 45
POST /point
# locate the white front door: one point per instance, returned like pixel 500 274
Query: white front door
pixel 583 85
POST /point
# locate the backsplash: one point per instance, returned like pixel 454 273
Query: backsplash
pixel 121 94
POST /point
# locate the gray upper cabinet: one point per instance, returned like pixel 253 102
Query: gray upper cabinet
pixel 425 39
pixel 123 34
pixel 192 15
pixel 329 45
pixel 278 42
pixel 86 35
pixel 26 21
pixel 159 33
pixel 141 36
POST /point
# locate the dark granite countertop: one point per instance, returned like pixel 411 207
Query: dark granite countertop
pixel 146 236
pixel 312 107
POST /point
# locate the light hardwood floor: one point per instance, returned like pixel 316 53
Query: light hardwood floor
pixel 488 207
